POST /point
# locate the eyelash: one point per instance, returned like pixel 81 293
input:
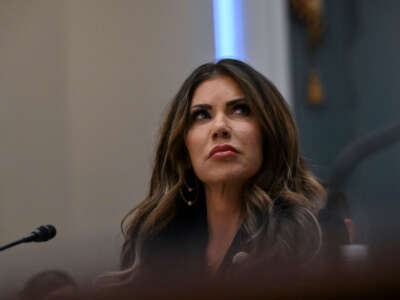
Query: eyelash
pixel 198 112
pixel 244 107
pixel 245 111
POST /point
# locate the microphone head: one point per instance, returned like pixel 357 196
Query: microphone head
pixel 43 233
pixel 239 257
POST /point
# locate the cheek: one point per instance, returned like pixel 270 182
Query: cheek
pixel 253 138
pixel 257 154
pixel 193 144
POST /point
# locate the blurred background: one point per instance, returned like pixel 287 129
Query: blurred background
pixel 84 85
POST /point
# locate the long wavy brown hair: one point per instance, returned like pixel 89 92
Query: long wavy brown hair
pixel 279 203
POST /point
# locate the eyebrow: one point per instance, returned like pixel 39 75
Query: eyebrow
pixel 229 103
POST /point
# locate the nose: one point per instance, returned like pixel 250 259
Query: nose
pixel 221 128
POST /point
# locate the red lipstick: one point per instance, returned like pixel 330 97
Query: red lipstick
pixel 222 151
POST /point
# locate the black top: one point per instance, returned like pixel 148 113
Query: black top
pixel 180 249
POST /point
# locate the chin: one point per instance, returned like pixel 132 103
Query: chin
pixel 227 177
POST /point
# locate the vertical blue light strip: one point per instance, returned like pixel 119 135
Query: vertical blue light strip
pixel 228 29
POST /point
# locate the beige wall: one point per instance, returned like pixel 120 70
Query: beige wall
pixel 83 86
pixel 266 41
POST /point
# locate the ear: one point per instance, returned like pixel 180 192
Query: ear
pixel 350 229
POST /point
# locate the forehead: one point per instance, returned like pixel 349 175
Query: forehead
pixel 221 88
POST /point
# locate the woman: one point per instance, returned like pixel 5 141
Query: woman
pixel 228 182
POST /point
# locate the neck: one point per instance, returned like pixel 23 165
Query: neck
pixel 224 216
pixel 224 206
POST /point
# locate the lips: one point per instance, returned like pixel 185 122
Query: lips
pixel 222 151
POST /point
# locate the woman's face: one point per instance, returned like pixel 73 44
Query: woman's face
pixel 224 139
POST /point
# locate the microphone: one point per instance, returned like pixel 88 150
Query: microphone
pixel 41 234
pixel 239 257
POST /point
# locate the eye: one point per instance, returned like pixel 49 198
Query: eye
pixel 241 109
pixel 199 114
